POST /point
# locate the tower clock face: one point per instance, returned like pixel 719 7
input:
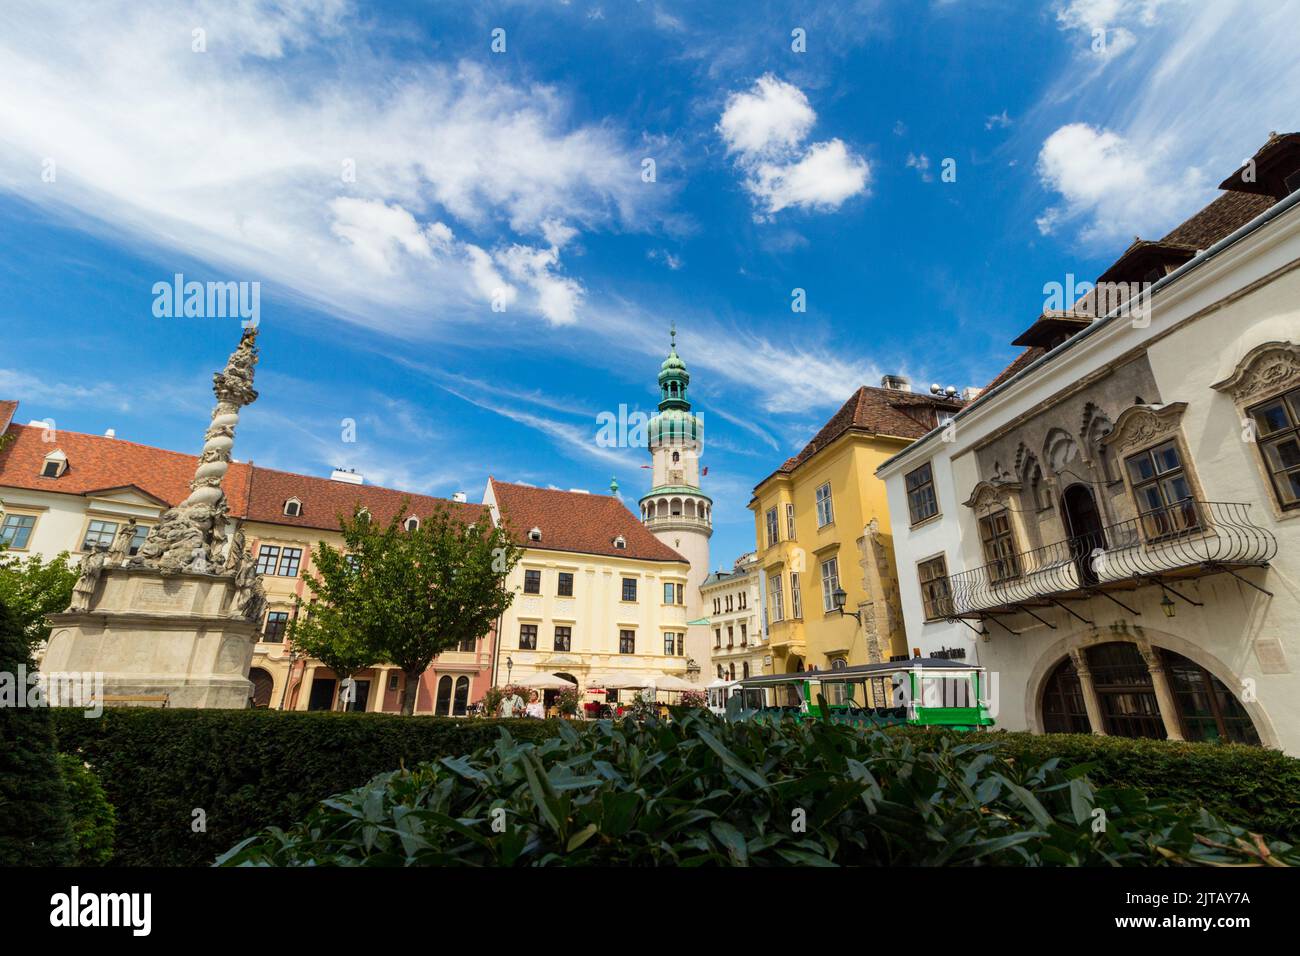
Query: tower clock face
pixel 675 475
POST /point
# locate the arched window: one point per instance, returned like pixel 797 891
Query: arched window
pixel 744 669
pixel 731 671
pixel 293 508
pixel 443 706
pixel 461 705
pixel 412 523
pixel 1064 711
pixel 1206 708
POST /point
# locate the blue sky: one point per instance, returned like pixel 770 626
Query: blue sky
pixel 519 174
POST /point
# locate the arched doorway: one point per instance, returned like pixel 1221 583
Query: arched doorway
pixel 442 703
pixel 262 687
pixel 1204 707
pixel 1083 525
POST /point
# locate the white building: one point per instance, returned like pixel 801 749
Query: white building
pixel 733 604
pixel 1116 519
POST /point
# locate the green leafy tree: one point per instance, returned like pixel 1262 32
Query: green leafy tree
pixel 325 629
pixel 33 588
pixel 93 818
pixel 405 596
pixel 35 827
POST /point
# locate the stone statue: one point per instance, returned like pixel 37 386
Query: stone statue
pixel 92 566
pixel 189 536
pixel 120 550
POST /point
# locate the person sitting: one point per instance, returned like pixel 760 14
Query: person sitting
pixel 535 708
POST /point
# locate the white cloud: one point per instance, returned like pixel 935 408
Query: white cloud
pixel 241 156
pixel 998 120
pixel 1119 189
pixel 921 164
pixel 765 128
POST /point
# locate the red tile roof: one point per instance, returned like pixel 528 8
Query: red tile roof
pixel 98 463
pixel 576 522
pixel 7 410
pixel 876 411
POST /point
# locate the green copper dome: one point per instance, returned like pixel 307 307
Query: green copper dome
pixel 673 380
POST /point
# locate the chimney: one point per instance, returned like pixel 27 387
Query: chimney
pixel 898 383
pixel 348 476
pixel 111 433
pixel 460 496
pixel 970 393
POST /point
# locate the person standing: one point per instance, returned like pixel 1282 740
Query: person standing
pixel 535 708
pixel 512 704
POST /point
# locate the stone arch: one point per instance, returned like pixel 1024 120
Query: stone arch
pixel 675 507
pixel 1054 653
pixel 690 507
pixel 263 685
pixel 1059 450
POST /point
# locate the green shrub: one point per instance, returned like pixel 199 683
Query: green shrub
pixel 1255 788
pixel 245 769
pixel 699 791
pixel 35 829
pixel 92 814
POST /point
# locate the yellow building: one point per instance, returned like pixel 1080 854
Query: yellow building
pixel 599 599
pixel 822 526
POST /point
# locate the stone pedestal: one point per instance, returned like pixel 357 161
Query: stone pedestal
pixel 152 634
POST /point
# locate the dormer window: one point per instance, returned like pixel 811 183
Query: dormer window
pixel 56 463
pixel 412 523
pixel 363 515
pixel 293 508
pixel 620 543
pixel 535 534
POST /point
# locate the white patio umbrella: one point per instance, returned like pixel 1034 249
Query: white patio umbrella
pixel 673 682
pixel 620 681
pixel 546 682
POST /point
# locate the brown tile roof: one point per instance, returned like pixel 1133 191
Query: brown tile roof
pixel 97 463
pixel 876 411
pixel 324 500
pixel 7 410
pixel 1217 220
pixel 576 522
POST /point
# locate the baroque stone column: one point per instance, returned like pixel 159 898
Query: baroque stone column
pixel 1091 701
pixel 1164 692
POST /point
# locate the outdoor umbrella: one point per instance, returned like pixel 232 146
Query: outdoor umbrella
pixel 672 682
pixel 546 682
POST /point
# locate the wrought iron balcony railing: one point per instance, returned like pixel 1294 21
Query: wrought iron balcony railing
pixel 1209 535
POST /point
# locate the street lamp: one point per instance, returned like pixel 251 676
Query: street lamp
pixel 1167 606
pixel 839 597
pixel 510 665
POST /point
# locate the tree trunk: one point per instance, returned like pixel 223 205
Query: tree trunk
pixel 410 688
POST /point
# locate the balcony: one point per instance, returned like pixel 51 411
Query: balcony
pixel 1185 540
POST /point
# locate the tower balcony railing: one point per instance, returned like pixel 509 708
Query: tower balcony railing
pixel 1181 540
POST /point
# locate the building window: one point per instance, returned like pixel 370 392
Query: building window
pixel 564 587
pixel 1064 710
pixel 466 646
pixel 673 593
pixel 789 521
pixel 627 642
pixel 744 634
pixel 442 705
pixel 528 637
pixel 629 589
pixel 771 527
pixel 999 546
pixel 1164 496
pixel 563 638
pixel 921 501
pixel 717 637
pixel 532 581
pixel 276 624
pixel 681 644
pixel 796 599
pixel 775 597
pixel 393 680
pixel 934 588
pixel 98 533
pixel 744 600
pixel 137 539
pixel 293 508
pixel 16 531
pixel 290 560
pixel 1277 424
pixel 670 642
pixel 267 557
pixel 744 669
pixel 830 582
pixel 1207 708
pixel 825 511
pixel 412 523
pixel 731 636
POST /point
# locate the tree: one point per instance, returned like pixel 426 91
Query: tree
pixel 323 628
pixel 406 596
pixel 35 827
pixel 33 588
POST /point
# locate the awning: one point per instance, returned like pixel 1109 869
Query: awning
pixel 545 682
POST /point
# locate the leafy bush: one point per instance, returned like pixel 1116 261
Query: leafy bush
pixel 1250 786
pixel 34 826
pixel 698 791
pixel 244 769
pixel 92 815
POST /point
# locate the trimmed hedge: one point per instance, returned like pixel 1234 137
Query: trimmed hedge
pixel 249 769
pixel 1252 787
pixel 698 791
pixel 246 769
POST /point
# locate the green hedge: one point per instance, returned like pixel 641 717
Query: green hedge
pixel 1255 788
pixel 246 769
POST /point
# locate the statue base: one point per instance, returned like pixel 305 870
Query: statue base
pixel 151 635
